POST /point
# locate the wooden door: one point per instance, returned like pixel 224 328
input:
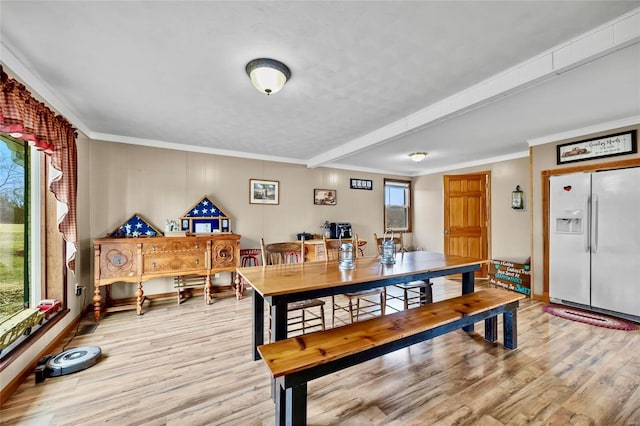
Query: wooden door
pixel 465 216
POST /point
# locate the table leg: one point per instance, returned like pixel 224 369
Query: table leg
pixel 468 287
pixel 278 321
pixel 258 324
pixel 426 293
pixel 467 282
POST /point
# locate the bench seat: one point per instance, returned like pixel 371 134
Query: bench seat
pixel 295 361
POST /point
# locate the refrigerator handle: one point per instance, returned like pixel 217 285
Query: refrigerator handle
pixel 587 226
pixel 594 218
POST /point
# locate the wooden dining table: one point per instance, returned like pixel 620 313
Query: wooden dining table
pixel 280 285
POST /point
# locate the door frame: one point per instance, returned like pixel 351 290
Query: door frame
pixel 486 241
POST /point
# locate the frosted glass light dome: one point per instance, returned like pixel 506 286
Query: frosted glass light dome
pixel 268 75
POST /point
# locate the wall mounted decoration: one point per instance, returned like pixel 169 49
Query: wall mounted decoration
pixel 205 217
pixel 517 199
pixel 264 191
pixel 325 197
pixel 604 146
pixel 361 184
pixel 136 226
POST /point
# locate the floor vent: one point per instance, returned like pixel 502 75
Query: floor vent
pixel 87 329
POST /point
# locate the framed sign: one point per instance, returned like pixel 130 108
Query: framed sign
pixel 264 191
pixel 604 146
pixel 325 197
pixel 361 184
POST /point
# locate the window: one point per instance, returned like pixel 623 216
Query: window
pixel 14 223
pixel 20 235
pixel 397 205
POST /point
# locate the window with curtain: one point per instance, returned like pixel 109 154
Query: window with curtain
pixel 14 226
pixel 25 118
pixel 397 205
pixel 38 168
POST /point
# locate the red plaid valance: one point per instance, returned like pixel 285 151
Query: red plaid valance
pixel 24 117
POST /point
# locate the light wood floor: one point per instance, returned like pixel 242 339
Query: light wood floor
pixel 190 365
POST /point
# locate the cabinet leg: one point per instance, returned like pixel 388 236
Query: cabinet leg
pixel 239 282
pixel 97 303
pixel 139 299
pixel 207 290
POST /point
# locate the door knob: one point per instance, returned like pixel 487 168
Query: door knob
pixel 446 231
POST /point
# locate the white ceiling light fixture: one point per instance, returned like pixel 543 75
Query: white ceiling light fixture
pixel 268 75
pixel 418 156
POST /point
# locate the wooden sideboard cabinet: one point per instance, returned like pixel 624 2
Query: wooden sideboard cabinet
pixel 135 260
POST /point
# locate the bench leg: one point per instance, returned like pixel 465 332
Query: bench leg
pixel 491 329
pixel 291 406
pixel 468 287
pixel 510 325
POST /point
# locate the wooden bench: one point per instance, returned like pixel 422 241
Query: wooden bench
pixel 295 361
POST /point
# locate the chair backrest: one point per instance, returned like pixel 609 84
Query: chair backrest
pixel 279 253
pixel 332 247
pixel 397 240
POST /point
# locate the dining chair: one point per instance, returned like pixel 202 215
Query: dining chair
pixel 413 292
pixel 367 303
pixel 301 318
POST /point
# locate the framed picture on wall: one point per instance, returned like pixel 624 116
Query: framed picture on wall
pixel 325 197
pixel 361 184
pixel 264 191
pixel 604 146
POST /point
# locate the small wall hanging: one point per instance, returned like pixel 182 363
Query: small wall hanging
pixel 517 202
pixel 264 191
pixel 361 184
pixel 604 146
pixel 326 197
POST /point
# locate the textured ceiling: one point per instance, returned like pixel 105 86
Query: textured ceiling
pixel 172 72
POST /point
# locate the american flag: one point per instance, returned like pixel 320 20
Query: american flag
pixel 135 227
pixel 204 208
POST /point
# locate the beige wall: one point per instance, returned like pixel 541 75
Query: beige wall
pixel 510 229
pixel 160 184
pixel 544 158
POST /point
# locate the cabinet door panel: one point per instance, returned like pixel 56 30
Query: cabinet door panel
pixel 225 253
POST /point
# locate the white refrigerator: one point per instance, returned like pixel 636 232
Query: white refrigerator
pixel 594 246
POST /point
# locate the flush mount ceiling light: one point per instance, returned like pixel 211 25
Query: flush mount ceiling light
pixel 268 75
pixel 418 156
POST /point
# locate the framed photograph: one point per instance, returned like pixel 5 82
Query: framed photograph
pixel 202 227
pixel 185 224
pixel 325 197
pixel 361 184
pixel 264 191
pixel 605 146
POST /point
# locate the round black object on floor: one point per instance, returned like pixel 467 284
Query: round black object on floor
pixel 73 360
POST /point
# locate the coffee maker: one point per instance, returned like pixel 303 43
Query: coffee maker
pixel 340 230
